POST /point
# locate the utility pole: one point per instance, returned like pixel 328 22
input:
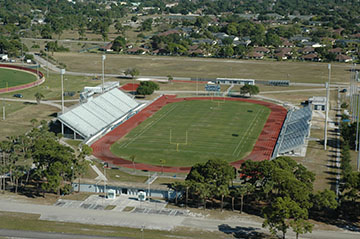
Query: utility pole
pixel 105 179
pixel 62 72
pixel 357 122
pixel 103 75
pixel 327 106
pixel 47 65
pixel 3 110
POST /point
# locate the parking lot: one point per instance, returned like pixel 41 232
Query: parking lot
pixel 124 203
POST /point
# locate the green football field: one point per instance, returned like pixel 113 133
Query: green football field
pixel 9 78
pixel 190 132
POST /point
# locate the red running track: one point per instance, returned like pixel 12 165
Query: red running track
pixel 130 87
pixel 262 150
pixel 25 86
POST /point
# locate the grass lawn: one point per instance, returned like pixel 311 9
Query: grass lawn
pixel 310 72
pixel 18 116
pixel 31 222
pixel 226 130
pixel 10 77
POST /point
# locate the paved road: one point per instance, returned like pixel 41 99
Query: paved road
pixel 67 40
pixel 51 103
pixel 153 221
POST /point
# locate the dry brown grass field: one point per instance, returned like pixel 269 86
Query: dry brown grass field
pixel 309 72
pixel 18 116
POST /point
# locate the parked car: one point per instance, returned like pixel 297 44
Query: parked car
pixel 18 95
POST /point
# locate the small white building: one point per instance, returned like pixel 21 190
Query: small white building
pixel 111 194
pixel 4 57
pixel 318 103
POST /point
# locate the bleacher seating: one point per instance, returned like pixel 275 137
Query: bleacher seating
pixel 96 114
pixel 295 130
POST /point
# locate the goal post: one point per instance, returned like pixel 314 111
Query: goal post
pixel 178 143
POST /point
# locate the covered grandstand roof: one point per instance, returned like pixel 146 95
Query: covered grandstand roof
pixel 294 131
pixel 89 118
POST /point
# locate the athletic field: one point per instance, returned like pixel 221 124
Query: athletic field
pixel 188 132
pixel 10 78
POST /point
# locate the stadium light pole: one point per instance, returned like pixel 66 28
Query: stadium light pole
pixel 3 110
pixel 103 77
pixel 62 72
pixel 105 179
pixel 327 84
pixel 357 122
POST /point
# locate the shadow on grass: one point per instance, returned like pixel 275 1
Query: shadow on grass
pixel 242 232
pixel 29 103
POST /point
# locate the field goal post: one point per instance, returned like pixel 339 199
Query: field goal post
pixel 221 101
pixel 178 143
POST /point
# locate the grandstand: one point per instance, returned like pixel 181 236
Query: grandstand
pixel 99 115
pixel 295 130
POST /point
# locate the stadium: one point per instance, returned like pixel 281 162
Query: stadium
pixel 171 134
pixel 14 78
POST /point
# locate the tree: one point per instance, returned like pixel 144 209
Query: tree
pixel 301 226
pixel 242 191
pixel 279 214
pixel 170 78
pixel 215 175
pixel 144 90
pixel 249 89
pixel 146 25
pixel 119 27
pixel 54 162
pixel 147 88
pixel 134 18
pixel 132 71
pixel 38 97
pixel 324 200
pixel 119 43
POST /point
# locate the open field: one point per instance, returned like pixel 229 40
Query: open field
pixel 11 77
pixel 18 116
pixel 215 129
pixel 309 72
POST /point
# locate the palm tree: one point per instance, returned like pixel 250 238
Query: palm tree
pixel 244 190
pixel 38 97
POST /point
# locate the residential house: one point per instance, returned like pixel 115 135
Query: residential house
pixel 255 55
pixel 300 39
pixel 262 50
pixel 313 44
pixel 137 50
pixel 283 53
pixel 220 35
pixel 107 47
pixel 343 58
pixel 336 50
pixel 204 41
pixel 307 50
pixel 169 32
pixel 310 57
pixel 281 56
pixel 286 43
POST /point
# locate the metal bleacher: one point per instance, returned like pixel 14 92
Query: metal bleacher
pixel 89 118
pixel 295 130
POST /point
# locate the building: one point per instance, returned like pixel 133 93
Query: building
pixel 230 81
pixel 98 115
pixel 4 57
pixel 317 103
